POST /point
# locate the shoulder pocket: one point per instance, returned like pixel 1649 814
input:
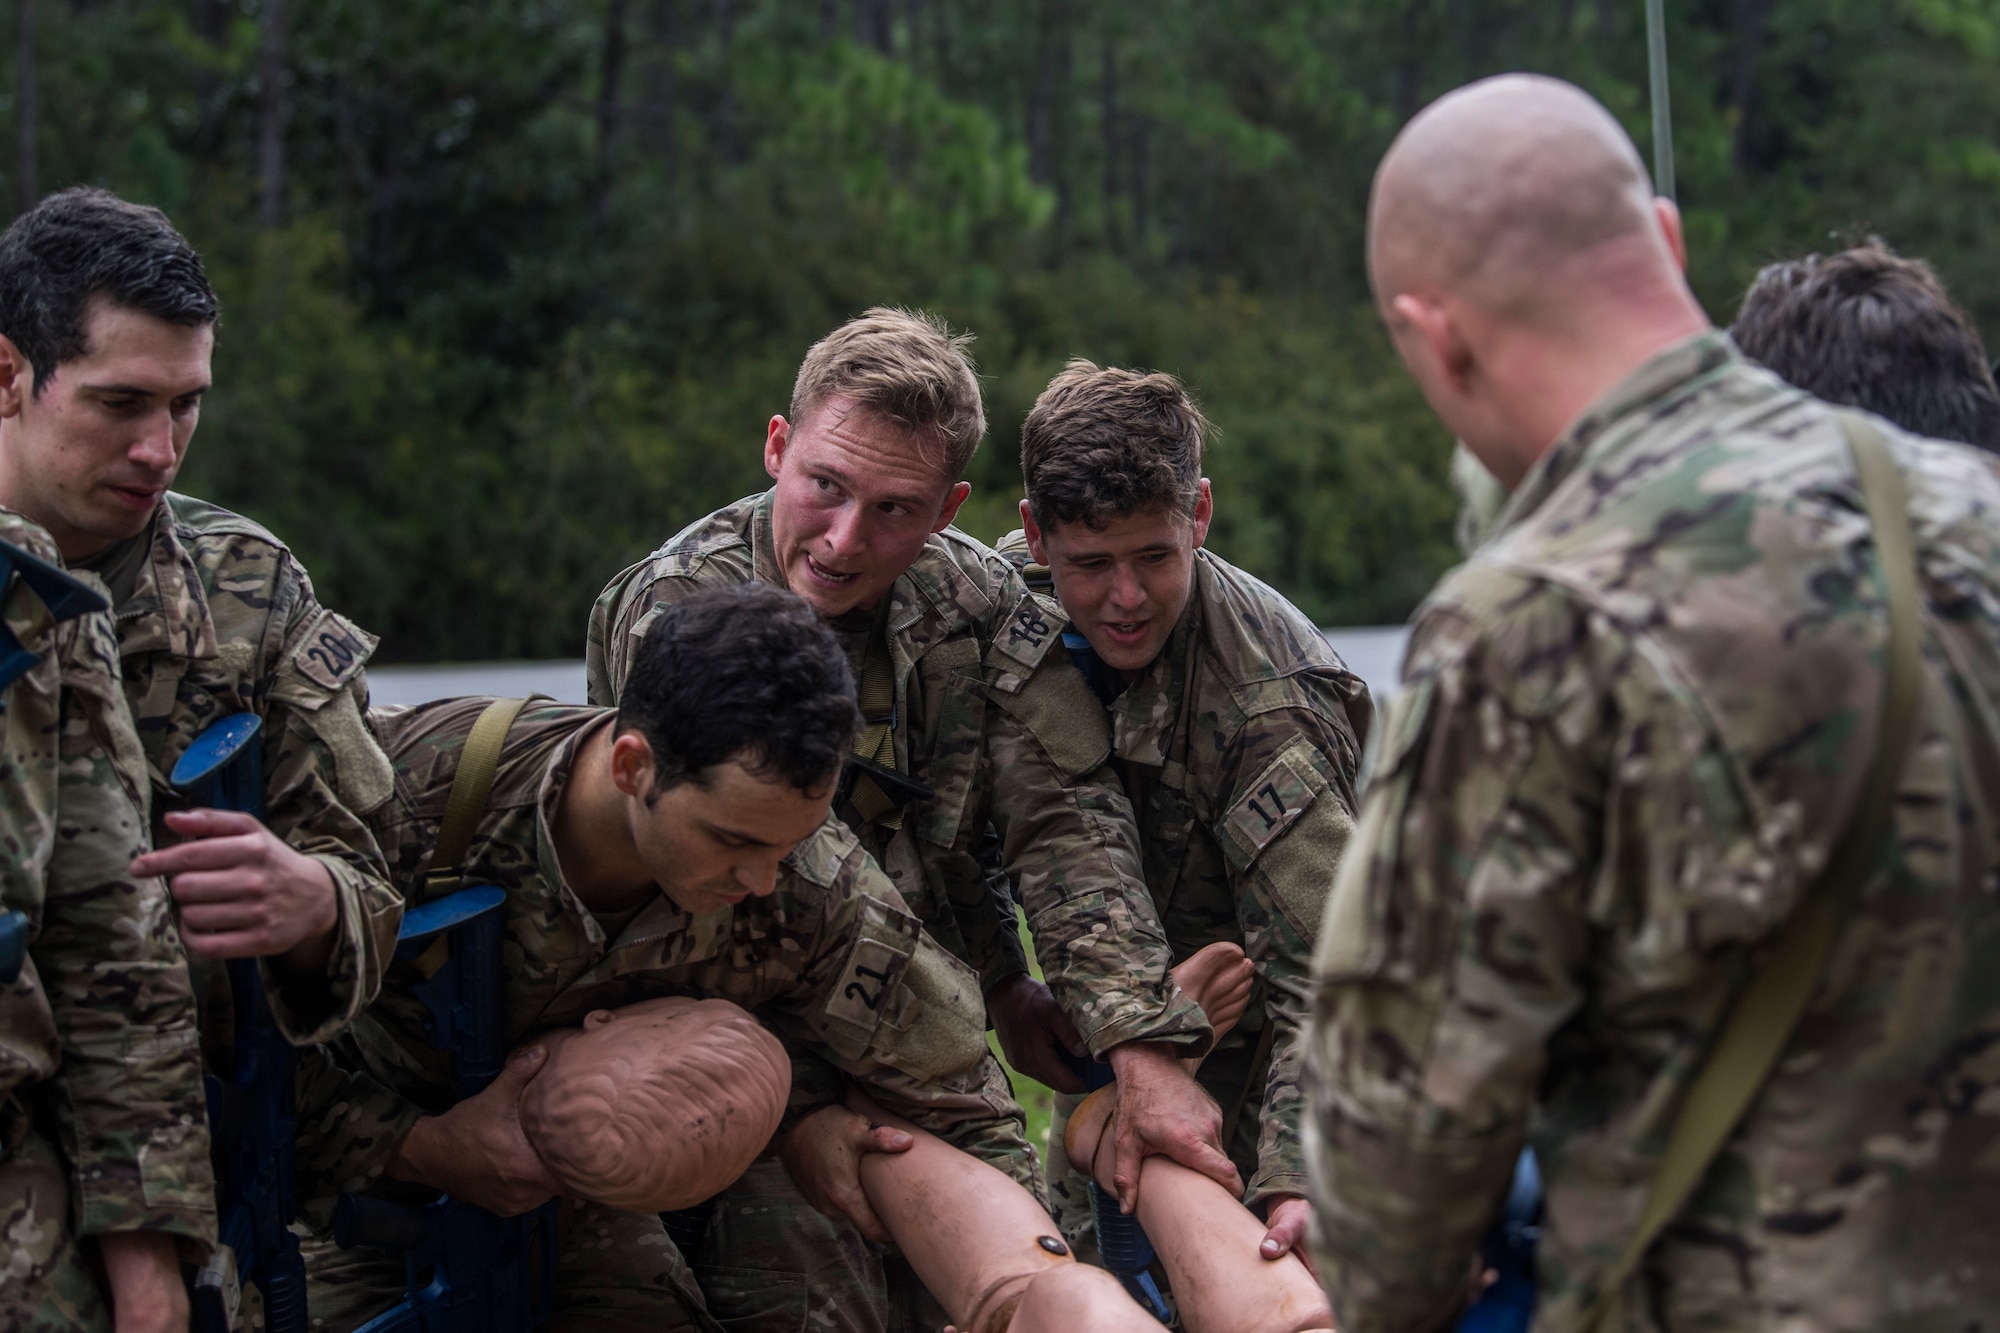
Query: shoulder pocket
pixel 1057 708
pixel 1024 638
pixel 330 652
pixel 1276 799
pixel 862 987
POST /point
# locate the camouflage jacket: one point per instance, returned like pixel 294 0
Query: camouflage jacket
pixel 831 962
pixel 993 717
pixel 1632 728
pixel 1239 748
pixel 97 1037
pixel 224 620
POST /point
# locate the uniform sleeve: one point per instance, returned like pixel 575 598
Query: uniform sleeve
pixel 128 1096
pixel 350 1126
pixel 323 771
pixel 615 618
pixel 1449 954
pixel 992 927
pixel 890 1008
pixel 1072 850
pixel 1288 817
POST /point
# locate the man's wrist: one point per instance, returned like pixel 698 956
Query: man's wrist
pixel 1141 1054
pixel 308 959
pixel 411 1159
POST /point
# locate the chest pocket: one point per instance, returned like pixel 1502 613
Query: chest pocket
pixel 947 731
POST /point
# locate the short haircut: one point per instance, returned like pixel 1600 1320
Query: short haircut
pixel 86 244
pixel 1868 328
pixel 746 673
pixel 1103 444
pixel 906 367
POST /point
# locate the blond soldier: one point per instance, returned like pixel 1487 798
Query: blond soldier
pixel 1632 730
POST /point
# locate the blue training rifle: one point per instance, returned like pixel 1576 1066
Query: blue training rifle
pixel 466 1269
pixel 1508 1252
pixel 250 1114
pixel 64 597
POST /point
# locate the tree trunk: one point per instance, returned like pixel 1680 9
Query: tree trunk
pixel 610 116
pixel 1107 118
pixel 271 119
pixel 829 19
pixel 657 128
pixel 1751 20
pixel 1410 70
pixel 27 192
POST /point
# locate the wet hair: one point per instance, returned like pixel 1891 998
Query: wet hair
pixel 1868 328
pixel 747 673
pixel 1104 444
pixel 906 367
pixel 83 245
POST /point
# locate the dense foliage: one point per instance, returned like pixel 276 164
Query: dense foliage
pixel 513 285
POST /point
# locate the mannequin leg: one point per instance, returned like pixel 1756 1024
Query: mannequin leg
pixel 1207 1242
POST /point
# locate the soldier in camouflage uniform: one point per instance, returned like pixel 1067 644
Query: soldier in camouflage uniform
pixel 998 747
pixel 1633 727
pixel 103 1147
pixel 679 846
pixel 213 614
pixel 1236 730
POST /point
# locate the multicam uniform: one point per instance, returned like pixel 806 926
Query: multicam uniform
pixel 218 619
pixel 1633 727
pixel 1238 747
pixel 990 715
pixel 101 1123
pixel 831 962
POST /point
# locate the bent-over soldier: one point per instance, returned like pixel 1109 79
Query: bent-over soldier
pixel 680 845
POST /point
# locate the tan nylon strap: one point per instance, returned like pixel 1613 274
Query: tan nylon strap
pixel 1761 1022
pixel 878 736
pixel 478 762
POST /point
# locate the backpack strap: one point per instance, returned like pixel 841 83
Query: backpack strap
pixel 478 762
pixel 1762 1020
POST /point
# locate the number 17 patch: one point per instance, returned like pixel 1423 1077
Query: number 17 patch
pixel 1274 801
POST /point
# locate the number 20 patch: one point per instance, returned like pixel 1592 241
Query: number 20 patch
pixel 1274 802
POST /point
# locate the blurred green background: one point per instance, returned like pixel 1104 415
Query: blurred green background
pixel 512 286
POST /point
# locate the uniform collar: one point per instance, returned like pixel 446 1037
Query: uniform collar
pixel 1143 718
pixel 168 611
pixel 1665 373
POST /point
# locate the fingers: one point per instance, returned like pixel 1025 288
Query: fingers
pixel 853 1205
pixel 1066 1033
pixel 211 823
pixel 1287 1232
pixel 1200 1155
pixel 1128 1152
pixel 884 1138
pixel 221 851
pixel 521 1066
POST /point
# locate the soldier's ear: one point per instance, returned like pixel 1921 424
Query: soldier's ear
pixel 17 378
pixel 632 764
pixel 1033 532
pixel 776 436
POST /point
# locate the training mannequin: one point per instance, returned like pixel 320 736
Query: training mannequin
pixel 995 1260
pixel 656 1106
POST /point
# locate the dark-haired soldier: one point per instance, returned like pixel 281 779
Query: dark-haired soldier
pixel 107 323
pixel 678 845
pixel 1236 730
pixel 1868 328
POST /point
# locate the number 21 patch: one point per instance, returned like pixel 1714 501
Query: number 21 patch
pixel 1274 802
pixel 867 978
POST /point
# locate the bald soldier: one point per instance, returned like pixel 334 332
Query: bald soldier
pixel 1632 728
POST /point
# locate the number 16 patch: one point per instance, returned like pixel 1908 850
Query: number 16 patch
pixel 1274 801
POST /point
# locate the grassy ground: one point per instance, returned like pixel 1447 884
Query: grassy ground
pixel 1034 1097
